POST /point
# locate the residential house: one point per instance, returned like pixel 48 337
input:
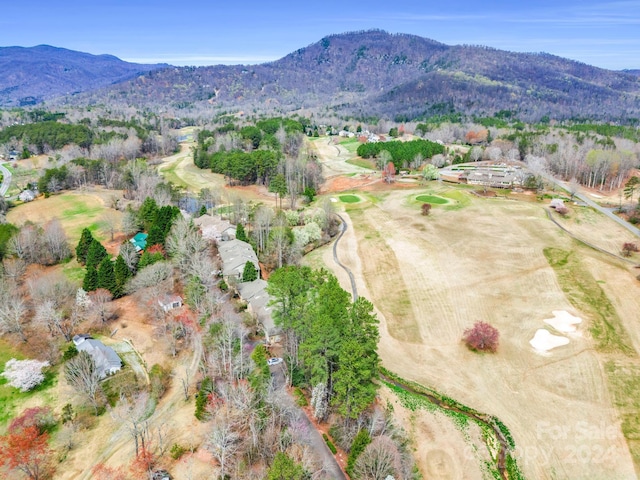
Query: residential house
pixel 215 228
pixel 257 298
pixel 27 196
pixel 234 255
pixel 106 359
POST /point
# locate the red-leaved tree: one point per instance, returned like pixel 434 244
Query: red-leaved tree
pixel 26 450
pixel 482 337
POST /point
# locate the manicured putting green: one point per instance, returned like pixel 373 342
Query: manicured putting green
pixel 349 198
pixel 432 199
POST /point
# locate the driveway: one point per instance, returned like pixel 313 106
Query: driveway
pixel 330 466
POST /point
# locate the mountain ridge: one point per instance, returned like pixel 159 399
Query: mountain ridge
pixel 34 74
pixel 400 76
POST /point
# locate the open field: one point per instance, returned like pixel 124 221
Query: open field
pixel 75 210
pixel 505 263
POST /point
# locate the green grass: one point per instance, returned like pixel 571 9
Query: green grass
pixel 459 197
pixel 432 199
pixel 351 145
pixel 586 295
pixel 78 208
pixel 349 198
pixel 73 271
pixel 363 163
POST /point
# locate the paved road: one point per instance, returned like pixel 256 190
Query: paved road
pixel 6 181
pixel 594 205
pixel 354 290
pixel 330 468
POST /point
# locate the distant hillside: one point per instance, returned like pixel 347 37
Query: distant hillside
pixel 397 76
pixel 31 75
pixel 392 75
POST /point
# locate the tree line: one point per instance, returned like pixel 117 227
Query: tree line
pixel 401 153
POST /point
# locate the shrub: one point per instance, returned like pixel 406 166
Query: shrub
pixel 628 248
pixel 426 208
pixel 159 379
pixel 69 353
pixel 206 387
pixel 177 451
pixel 301 400
pixel 562 210
pixel 482 337
pixel 329 444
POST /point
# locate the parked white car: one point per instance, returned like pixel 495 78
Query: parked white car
pixel 274 361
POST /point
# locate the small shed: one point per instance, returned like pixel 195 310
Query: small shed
pixel 170 301
pixel 139 241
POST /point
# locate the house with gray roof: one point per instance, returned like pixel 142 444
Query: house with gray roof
pixel 257 298
pixel 106 359
pixel 215 228
pixel 234 255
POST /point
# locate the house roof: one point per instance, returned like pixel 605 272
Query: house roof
pixel 212 227
pixel 139 240
pixel 169 299
pixel 234 255
pixel 255 294
pixel 104 357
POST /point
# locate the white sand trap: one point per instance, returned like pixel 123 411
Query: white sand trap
pixel 334 199
pixel 563 321
pixel 544 341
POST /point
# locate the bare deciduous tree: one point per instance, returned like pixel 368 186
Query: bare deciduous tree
pixel 109 222
pixel 12 311
pixel 83 376
pixel 101 304
pixel 223 441
pixel 379 460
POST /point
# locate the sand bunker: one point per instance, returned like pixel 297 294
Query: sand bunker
pixel 563 321
pixel 544 341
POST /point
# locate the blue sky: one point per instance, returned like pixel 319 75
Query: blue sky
pixel 604 34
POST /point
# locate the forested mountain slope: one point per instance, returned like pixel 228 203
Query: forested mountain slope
pixel 30 75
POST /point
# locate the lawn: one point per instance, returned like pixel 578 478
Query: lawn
pixel 363 163
pixel 74 210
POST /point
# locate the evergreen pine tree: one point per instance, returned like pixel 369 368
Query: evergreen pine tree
pixel 156 236
pixel 83 246
pixel 122 274
pixel 90 282
pixel 107 276
pixel 240 233
pixel 249 274
pixel 147 213
pixel 95 254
